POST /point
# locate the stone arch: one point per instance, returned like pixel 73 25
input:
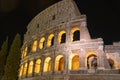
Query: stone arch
pixel 74 62
pixel 75 34
pixel 25 69
pixel 37 66
pixel 30 67
pixel 62 37
pixel 42 43
pixel 59 63
pixel 47 65
pixel 50 41
pixel 34 46
pixel 21 71
pixel 111 63
pixel 91 60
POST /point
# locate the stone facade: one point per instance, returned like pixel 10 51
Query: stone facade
pixel 58 46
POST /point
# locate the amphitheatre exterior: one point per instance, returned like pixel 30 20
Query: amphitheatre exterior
pixel 58 46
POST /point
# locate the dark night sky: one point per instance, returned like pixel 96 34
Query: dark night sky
pixel 103 17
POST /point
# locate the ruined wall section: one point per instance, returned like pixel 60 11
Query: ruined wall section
pixel 113 53
pixel 60 12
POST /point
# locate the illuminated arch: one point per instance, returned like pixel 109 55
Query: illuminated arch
pixel 34 47
pixel 75 34
pixel 37 66
pixel 47 65
pixel 41 43
pixel 24 52
pixel 59 63
pixel 25 69
pixel 50 41
pixel 21 71
pixel 62 37
pixel 74 62
pixel 30 68
pixel 88 55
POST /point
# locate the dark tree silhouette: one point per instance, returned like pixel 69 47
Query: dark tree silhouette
pixel 3 55
pixel 13 60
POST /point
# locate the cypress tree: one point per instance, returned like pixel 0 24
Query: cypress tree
pixel 13 60
pixel 3 55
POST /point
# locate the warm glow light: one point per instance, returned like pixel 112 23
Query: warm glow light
pixel 34 47
pixel 25 69
pixel 59 63
pixel 37 66
pixel 24 52
pixel 49 42
pixel 60 36
pixel 30 68
pixel 47 65
pixel 88 55
pixel 74 63
pixel 72 32
pixel 21 70
pixel 41 44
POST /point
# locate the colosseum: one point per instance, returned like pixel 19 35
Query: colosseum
pixel 58 46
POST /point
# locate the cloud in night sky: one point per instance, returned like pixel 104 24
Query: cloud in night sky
pixel 8 5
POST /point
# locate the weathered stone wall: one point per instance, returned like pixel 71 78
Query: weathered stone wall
pixel 56 14
pixel 113 53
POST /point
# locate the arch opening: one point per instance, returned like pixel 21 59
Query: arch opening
pixel 25 69
pixel 37 66
pixel 42 43
pixel 111 63
pixel 21 71
pixel 74 62
pixel 50 41
pixel 47 65
pixel 34 47
pixel 24 52
pixel 62 37
pixel 75 34
pixel 30 68
pixel 59 63
pixel 91 60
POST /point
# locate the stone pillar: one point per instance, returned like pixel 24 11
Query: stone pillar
pixel 33 69
pixel 42 64
pixel 56 39
pixel 52 62
pixel 82 59
pixel 38 49
pixel 67 55
pixel 45 44
pixel 66 58
pixel 99 61
pixel 68 39
pixel 84 33
pixel 102 61
pixel 27 68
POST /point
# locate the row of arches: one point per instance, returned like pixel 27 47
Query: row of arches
pixel 59 64
pixel 73 62
pixel 74 35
